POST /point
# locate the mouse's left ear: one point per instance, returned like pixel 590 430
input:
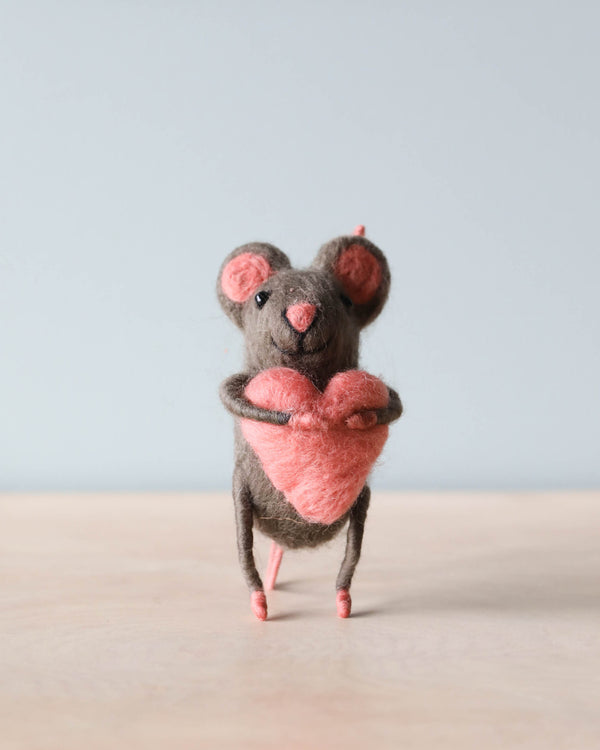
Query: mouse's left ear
pixel 362 271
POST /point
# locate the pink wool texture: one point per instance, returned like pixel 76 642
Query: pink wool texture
pixel 343 602
pixel 321 459
pixel 258 603
pixel 359 273
pixel 243 275
pixel 301 315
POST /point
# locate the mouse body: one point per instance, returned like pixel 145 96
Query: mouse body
pixel 309 424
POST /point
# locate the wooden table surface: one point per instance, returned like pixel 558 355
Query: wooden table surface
pixel 124 623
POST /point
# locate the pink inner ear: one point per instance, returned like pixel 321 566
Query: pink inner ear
pixel 359 273
pixel 243 274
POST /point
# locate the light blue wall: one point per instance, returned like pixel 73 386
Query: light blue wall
pixel 140 142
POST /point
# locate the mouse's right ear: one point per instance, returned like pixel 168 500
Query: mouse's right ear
pixel 243 271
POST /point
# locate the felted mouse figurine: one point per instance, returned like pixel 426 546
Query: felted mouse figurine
pixel 309 424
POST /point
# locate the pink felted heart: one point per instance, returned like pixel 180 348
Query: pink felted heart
pixel 321 459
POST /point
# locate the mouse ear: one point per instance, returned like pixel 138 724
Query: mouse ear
pixel 243 271
pixel 362 271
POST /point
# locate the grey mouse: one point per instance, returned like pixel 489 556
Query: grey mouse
pixel 307 321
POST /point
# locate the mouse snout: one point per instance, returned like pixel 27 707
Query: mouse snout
pixel 301 315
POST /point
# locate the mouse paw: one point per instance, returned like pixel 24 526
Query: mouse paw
pixel 258 602
pixel 343 602
pixel 362 420
pixel 273 568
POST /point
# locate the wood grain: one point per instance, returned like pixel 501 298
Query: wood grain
pixel 124 623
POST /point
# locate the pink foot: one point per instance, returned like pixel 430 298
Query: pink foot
pixel 273 567
pixel 258 602
pixel 343 602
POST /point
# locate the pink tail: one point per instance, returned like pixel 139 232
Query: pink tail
pixel 273 567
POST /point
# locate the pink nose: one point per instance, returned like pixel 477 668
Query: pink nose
pixel 301 315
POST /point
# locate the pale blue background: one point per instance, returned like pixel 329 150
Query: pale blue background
pixel 140 142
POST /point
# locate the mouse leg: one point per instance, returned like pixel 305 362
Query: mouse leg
pixel 356 527
pixel 273 567
pixel 245 540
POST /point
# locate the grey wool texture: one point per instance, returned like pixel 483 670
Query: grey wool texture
pixel 328 346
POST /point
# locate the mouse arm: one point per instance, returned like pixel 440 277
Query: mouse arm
pixel 392 411
pixel 232 396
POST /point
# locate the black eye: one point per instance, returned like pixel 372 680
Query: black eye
pixel 261 298
pixel 346 300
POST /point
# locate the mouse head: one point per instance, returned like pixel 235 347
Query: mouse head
pixel 310 319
